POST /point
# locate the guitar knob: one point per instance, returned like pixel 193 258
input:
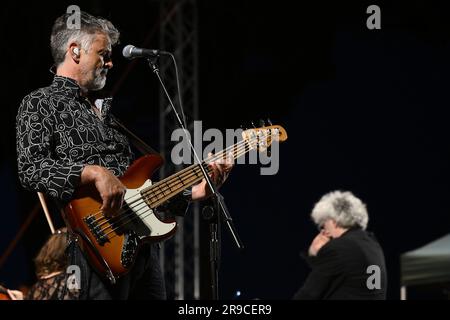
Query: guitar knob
pixel 269 122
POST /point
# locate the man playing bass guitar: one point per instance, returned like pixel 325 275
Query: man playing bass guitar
pixel 67 141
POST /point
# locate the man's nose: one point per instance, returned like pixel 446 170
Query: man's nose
pixel 108 64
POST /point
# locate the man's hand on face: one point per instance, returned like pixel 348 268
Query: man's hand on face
pixel 319 241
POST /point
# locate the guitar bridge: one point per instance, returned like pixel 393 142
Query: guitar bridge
pixel 96 230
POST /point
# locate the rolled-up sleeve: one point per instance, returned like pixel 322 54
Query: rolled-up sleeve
pixel 38 167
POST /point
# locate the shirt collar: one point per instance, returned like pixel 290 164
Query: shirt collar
pixel 68 85
pixel 71 88
pixel 104 105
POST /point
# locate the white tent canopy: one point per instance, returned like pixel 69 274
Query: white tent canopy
pixel 429 264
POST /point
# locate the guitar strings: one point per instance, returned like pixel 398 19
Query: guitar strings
pixel 178 175
pixel 187 173
pixel 220 154
pixel 238 152
pixel 114 227
pixel 137 205
pixel 124 216
pixel 141 216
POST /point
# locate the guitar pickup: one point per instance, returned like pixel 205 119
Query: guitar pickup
pixel 96 229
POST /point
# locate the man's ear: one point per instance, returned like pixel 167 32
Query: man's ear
pixel 74 52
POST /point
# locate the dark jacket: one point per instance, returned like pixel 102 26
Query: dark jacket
pixel 341 270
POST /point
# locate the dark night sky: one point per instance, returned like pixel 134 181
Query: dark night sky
pixel 365 111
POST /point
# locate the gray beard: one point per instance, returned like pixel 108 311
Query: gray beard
pixel 99 82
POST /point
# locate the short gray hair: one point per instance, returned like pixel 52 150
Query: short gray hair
pixel 89 26
pixel 342 207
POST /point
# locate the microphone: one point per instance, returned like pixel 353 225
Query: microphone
pixel 131 52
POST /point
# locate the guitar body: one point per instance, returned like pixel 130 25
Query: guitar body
pixel 111 245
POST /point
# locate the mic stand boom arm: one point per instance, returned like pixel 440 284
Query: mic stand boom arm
pixel 218 197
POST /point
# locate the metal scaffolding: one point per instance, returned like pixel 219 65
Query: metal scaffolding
pixel 179 35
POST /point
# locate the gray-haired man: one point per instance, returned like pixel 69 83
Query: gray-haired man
pixel 347 262
pixel 66 139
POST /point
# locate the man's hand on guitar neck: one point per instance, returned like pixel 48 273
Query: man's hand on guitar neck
pixel 220 170
pixel 111 190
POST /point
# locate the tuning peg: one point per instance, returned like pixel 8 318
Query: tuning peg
pixel 253 125
pixel 269 122
pixel 262 123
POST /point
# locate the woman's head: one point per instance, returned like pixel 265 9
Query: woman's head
pixel 52 256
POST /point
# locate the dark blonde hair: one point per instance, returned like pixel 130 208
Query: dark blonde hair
pixel 52 256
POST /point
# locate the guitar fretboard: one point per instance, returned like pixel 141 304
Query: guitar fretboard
pixel 167 188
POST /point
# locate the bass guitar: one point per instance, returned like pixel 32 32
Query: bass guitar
pixel 111 244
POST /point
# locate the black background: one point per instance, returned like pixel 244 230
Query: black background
pixel 365 111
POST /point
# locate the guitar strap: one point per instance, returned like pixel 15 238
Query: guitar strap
pixel 137 142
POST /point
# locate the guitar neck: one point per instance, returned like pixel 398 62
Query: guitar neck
pixel 171 186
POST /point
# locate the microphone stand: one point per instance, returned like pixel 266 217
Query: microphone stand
pixel 220 203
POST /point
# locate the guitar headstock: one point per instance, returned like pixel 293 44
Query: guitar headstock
pixel 261 138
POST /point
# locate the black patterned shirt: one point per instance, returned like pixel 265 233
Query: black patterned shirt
pixel 58 133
